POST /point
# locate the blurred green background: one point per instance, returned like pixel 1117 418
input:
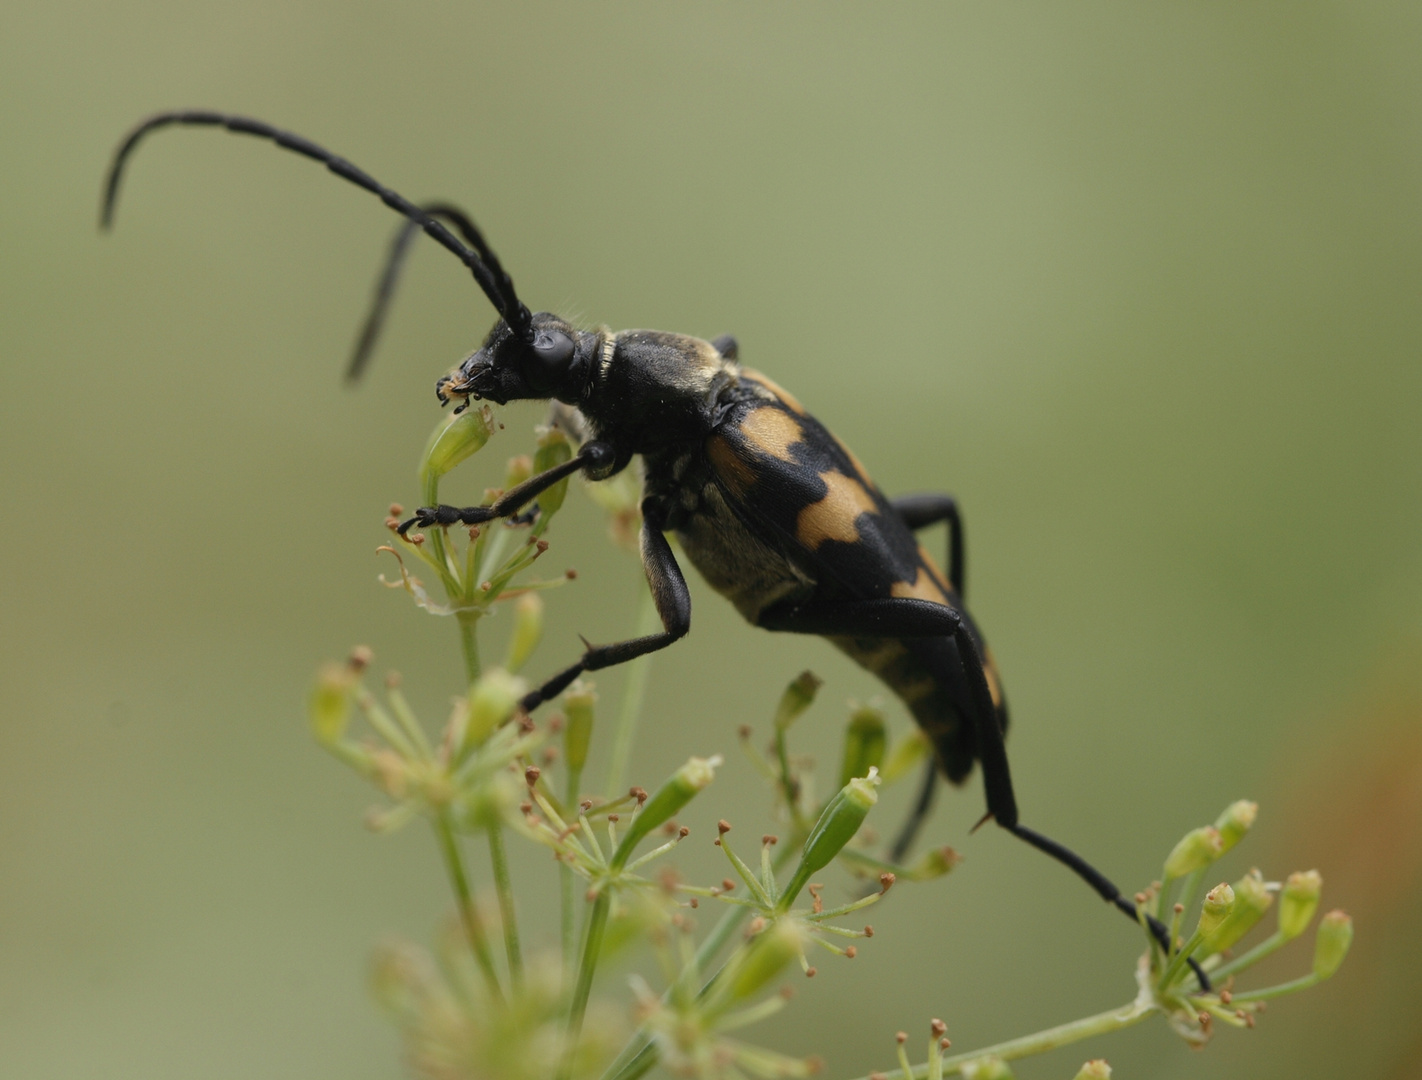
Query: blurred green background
pixel 1138 283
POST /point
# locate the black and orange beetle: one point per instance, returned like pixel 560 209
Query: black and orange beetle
pixel 774 511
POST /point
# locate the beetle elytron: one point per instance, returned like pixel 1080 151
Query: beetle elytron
pixel 772 509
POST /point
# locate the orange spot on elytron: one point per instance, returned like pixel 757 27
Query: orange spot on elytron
pixel 938 575
pixel 772 431
pixel 775 388
pixel 834 516
pixel 733 470
pixel 990 670
pixel 923 587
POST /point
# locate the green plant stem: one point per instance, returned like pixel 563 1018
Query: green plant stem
pixel 633 688
pixel 565 888
pixel 1270 944
pixel 469 915
pixel 469 640
pixel 1303 982
pixel 1039 1042
pixel 592 946
pixel 504 886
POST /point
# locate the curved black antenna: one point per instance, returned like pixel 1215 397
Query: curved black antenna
pixel 394 265
pixel 487 272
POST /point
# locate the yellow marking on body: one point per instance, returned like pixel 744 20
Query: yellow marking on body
pixel 734 471
pixel 923 587
pixel 938 575
pixel 990 670
pixel 772 431
pixel 787 398
pixel 834 516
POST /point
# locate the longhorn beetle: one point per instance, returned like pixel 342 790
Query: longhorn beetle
pixel 774 511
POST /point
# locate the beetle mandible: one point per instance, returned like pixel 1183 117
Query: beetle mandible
pixel 774 511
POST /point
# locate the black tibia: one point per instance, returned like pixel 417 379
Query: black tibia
pixel 669 593
pixel 726 346
pixel 920 511
pixel 908 832
pixel 922 618
pixel 593 456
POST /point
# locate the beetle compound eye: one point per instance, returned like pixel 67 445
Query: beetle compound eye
pixel 548 359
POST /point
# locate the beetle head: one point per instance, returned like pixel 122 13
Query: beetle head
pixel 552 360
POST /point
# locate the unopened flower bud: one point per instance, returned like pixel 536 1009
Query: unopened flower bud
pixel 796 699
pixel 1235 822
pixel 527 629
pixel 1196 850
pixel 517 470
pixel 864 740
pixel 329 705
pixel 763 960
pixel 991 1067
pixel 681 787
pixel 491 702
pixel 836 826
pixel 1096 1069
pixel 934 864
pixel 1335 934
pixel 554 448
pixel 1251 899
pixel 1298 902
pixel 905 755
pixel 578 705
pixel 457 437
pixel 1219 902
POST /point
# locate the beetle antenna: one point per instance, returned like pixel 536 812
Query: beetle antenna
pixel 394 266
pixel 481 261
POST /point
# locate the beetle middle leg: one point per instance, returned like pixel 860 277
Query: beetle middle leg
pixel 673 602
pixel 907 617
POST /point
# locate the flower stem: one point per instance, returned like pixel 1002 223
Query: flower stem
pixel 469 915
pixel 469 640
pixel 633 687
pixel 1041 1041
pixel 504 886
pixel 592 946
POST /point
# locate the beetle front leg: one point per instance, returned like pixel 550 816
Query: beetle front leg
pixel 669 593
pixel 594 457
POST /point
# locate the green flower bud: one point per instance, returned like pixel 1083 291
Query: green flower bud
pixel 518 470
pixel 763 960
pixel 554 448
pixel 527 629
pixel 1298 902
pixel 796 699
pixel 905 755
pixel 578 709
pixel 1219 902
pixel 864 740
pixel 1094 1070
pixel 491 702
pixel 1335 934
pixel 991 1067
pixel 1196 850
pixel 934 864
pixel 681 787
pixel 1251 899
pixel 456 438
pixel 837 824
pixel 329 705
pixel 1235 822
